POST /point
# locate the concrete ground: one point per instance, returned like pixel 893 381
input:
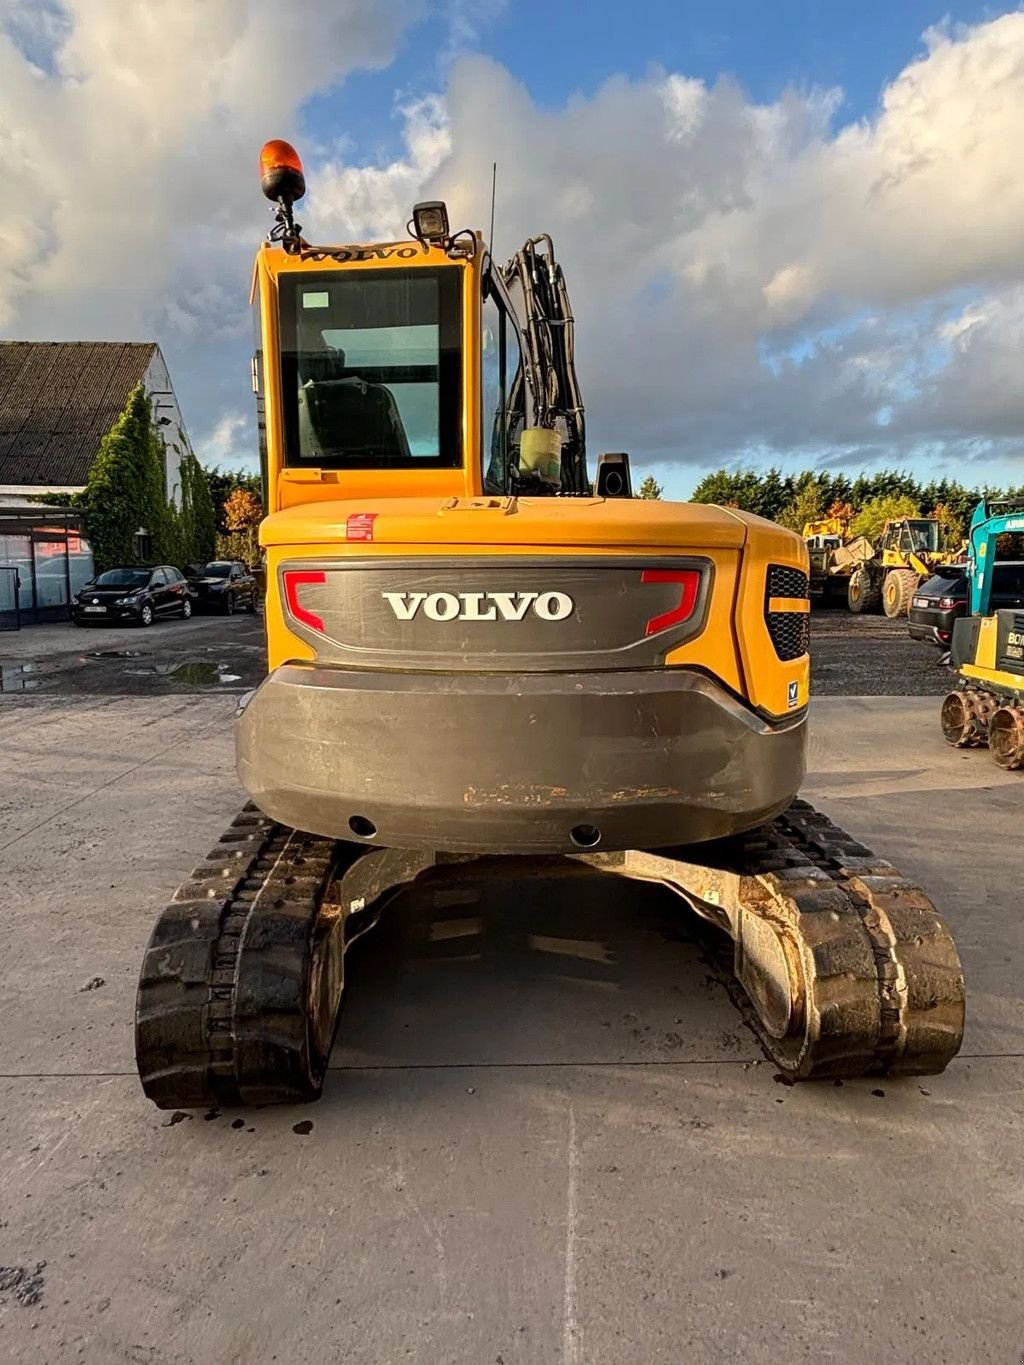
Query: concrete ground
pixel 556 1144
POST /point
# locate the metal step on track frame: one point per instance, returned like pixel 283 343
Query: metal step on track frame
pixel 846 968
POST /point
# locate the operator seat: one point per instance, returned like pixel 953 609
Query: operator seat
pixel 348 415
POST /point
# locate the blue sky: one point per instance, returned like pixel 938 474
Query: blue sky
pixel 792 229
pixel 559 50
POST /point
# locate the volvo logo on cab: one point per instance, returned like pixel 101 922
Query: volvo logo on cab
pixel 480 606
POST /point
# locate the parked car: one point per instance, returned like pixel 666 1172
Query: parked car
pixel 942 598
pixel 139 595
pixel 224 585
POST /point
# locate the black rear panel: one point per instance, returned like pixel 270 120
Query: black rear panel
pixel 489 615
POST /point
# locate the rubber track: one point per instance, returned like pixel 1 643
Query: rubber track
pixel 919 982
pixel 216 1025
pixel 220 1016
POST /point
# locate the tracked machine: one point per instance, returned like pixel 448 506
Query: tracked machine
pixel 987 706
pixel 482 665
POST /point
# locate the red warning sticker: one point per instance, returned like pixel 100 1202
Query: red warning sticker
pixel 360 526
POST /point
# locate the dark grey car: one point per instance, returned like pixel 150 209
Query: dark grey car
pixel 224 585
pixel 943 599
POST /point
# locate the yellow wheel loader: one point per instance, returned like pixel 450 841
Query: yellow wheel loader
pixel 887 575
pixel 480 663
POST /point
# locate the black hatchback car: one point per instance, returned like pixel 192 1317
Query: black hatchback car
pixel 139 595
pixel 224 585
pixel 938 602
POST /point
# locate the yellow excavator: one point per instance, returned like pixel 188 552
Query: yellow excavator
pixel 480 663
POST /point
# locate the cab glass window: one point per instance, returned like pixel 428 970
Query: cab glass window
pixel 503 393
pixel 371 368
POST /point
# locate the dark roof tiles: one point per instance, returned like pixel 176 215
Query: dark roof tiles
pixel 57 399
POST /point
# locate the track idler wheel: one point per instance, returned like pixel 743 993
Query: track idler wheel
pixel 1006 737
pixel 963 720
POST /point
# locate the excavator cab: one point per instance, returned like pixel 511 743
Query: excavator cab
pixel 477 658
pixel 913 536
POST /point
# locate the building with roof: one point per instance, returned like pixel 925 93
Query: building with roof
pixel 58 399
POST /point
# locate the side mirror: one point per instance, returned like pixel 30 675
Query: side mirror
pixel 613 477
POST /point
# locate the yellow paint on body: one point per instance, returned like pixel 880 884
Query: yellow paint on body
pixel 444 512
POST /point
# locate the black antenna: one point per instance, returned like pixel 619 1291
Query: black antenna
pixel 494 187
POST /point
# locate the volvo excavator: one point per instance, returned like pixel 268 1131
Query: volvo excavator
pixel 482 663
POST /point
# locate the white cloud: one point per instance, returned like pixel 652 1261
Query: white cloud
pixel 747 278
pixel 128 140
pixel 228 443
pixel 359 203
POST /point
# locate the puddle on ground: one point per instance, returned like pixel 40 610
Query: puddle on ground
pixel 204 673
pixel 20 677
pixel 114 653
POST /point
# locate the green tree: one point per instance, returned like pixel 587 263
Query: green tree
pixel 125 492
pixel 193 525
pixel 203 513
pixel 870 520
pixel 730 489
pixel 804 506
pixel 952 527
pixel 774 492
pixel 650 488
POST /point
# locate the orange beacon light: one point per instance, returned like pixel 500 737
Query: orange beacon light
pixel 281 174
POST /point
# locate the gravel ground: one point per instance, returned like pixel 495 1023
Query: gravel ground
pixel 871 656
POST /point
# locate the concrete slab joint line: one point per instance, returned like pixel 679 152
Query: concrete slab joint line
pixel 571 1349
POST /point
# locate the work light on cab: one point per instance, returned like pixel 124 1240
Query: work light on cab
pixel 430 222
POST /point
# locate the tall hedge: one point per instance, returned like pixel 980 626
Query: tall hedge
pixel 125 491
pixel 193 524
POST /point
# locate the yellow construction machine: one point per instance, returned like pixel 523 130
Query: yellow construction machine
pixel 888 574
pixel 827 577
pixel 482 663
pixel 987 706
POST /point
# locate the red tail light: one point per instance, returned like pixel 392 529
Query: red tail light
pixel 689 586
pixel 947 603
pixel 295 579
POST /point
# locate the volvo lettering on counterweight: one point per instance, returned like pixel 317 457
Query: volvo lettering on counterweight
pixel 480 606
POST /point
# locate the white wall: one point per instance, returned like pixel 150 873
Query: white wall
pixel 172 432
